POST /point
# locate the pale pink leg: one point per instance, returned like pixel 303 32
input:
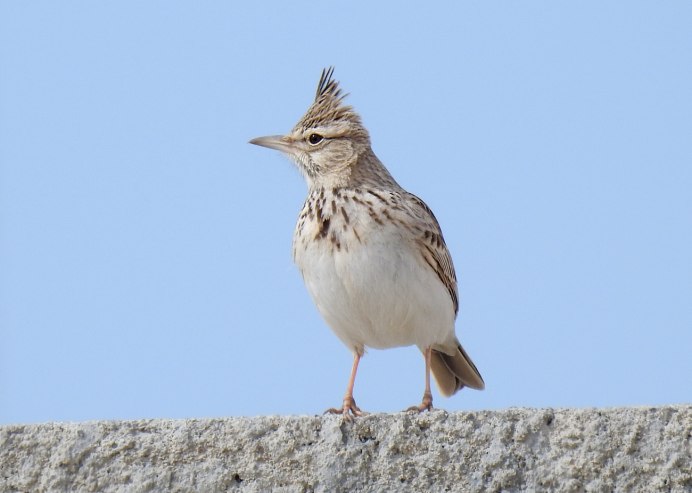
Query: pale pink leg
pixel 349 408
pixel 426 404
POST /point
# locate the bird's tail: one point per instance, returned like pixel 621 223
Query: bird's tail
pixel 455 371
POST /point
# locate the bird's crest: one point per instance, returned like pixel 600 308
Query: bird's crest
pixel 328 107
pixel 327 85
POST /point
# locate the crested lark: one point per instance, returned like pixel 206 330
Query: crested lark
pixel 371 254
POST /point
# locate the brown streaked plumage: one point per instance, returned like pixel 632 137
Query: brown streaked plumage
pixel 372 255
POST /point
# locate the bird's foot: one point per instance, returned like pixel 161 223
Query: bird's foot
pixel 349 410
pixel 425 405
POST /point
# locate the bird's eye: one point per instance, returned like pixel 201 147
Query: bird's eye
pixel 315 139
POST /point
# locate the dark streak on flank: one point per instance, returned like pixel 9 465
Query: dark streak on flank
pixel 387 215
pixel 375 217
pixel 335 241
pixel 324 228
pixel 343 213
pixel 318 213
pixel 377 196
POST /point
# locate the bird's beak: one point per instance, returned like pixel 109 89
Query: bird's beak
pixel 278 142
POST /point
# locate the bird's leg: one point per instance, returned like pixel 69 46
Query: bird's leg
pixel 349 408
pixel 426 404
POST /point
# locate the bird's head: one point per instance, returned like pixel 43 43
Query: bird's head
pixel 327 141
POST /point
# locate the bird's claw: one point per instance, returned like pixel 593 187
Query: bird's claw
pixel 349 410
pixel 425 405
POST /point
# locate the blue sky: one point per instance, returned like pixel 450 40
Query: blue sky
pixel 145 246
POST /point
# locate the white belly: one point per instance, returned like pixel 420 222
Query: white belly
pixel 379 293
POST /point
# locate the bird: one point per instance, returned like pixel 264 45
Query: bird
pixel 371 254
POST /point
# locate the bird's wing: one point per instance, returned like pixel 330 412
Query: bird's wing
pixel 433 248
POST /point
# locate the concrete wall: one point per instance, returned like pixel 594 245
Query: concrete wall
pixel 628 449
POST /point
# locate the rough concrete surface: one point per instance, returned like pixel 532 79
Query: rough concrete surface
pixel 626 449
